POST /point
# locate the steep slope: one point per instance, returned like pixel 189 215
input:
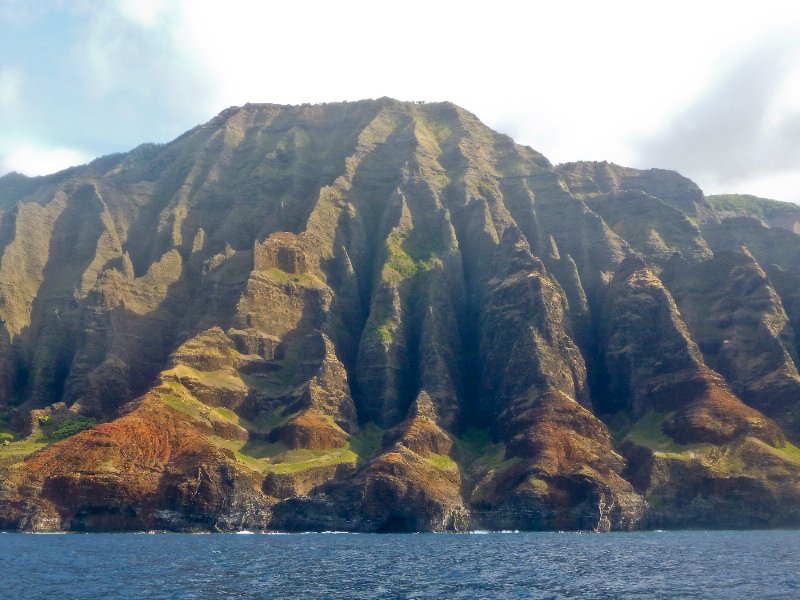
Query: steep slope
pixel 739 321
pixel 771 213
pixel 683 431
pixel 384 316
pixel 589 179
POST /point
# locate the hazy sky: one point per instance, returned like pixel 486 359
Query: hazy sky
pixel 709 89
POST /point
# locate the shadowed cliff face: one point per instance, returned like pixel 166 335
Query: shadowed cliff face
pixel 384 316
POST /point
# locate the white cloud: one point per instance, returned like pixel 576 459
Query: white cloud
pixel 783 186
pixel 743 129
pixel 135 71
pixel 36 160
pixel 146 13
pixel 575 80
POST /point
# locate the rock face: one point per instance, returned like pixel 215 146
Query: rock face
pixel 771 213
pixel 384 316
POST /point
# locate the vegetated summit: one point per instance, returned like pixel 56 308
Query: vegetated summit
pixel 385 316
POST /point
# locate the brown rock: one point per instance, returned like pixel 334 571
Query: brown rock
pixel 384 316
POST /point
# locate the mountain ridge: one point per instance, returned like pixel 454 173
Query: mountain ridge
pixel 384 316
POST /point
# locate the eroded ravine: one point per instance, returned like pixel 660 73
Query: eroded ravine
pixel 385 316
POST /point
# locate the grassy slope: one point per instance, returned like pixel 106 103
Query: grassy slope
pixel 761 208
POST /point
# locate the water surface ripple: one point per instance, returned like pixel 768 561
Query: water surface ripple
pixel 495 565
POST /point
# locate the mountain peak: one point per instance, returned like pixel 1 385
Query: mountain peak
pixel 385 316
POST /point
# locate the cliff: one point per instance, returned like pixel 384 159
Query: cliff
pixel 385 316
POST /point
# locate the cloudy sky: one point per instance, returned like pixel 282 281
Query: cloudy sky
pixel 709 89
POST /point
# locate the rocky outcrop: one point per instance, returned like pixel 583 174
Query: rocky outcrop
pixel 771 213
pixel 682 426
pixel 385 316
pixel 740 324
pixel 651 226
pixel 589 179
pixel 146 470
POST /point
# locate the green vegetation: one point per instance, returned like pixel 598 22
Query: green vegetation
pixel 792 451
pixel 648 432
pixel 254 454
pixel 226 413
pixel 726 459
pixel 214 379
pixel 475 439
pixel 52 429
pixel 367 442
pixel 177 397
pixel 284 277
pixel 293 461
pixel 178 402
pixel 495 460
pixel 788 452
pixel 6 433
pixel 442 461
pixel 383 333
pixel 755 206
pixel 540 486
pixel 266 457
pixel 400 261
pixel 477 450
pixel 16 451
pixel 269 419
pixel 441 131
pixel 406 257
pixel 55 429
pixel 255 382
pixel 258 454
pixel 276 381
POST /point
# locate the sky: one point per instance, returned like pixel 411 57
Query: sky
pixel 709 89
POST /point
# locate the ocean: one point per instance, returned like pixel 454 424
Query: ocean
pixel 684 564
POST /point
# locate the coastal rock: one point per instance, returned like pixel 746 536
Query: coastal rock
pixel 384 316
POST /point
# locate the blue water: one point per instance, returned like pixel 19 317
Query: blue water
pixel 524 565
